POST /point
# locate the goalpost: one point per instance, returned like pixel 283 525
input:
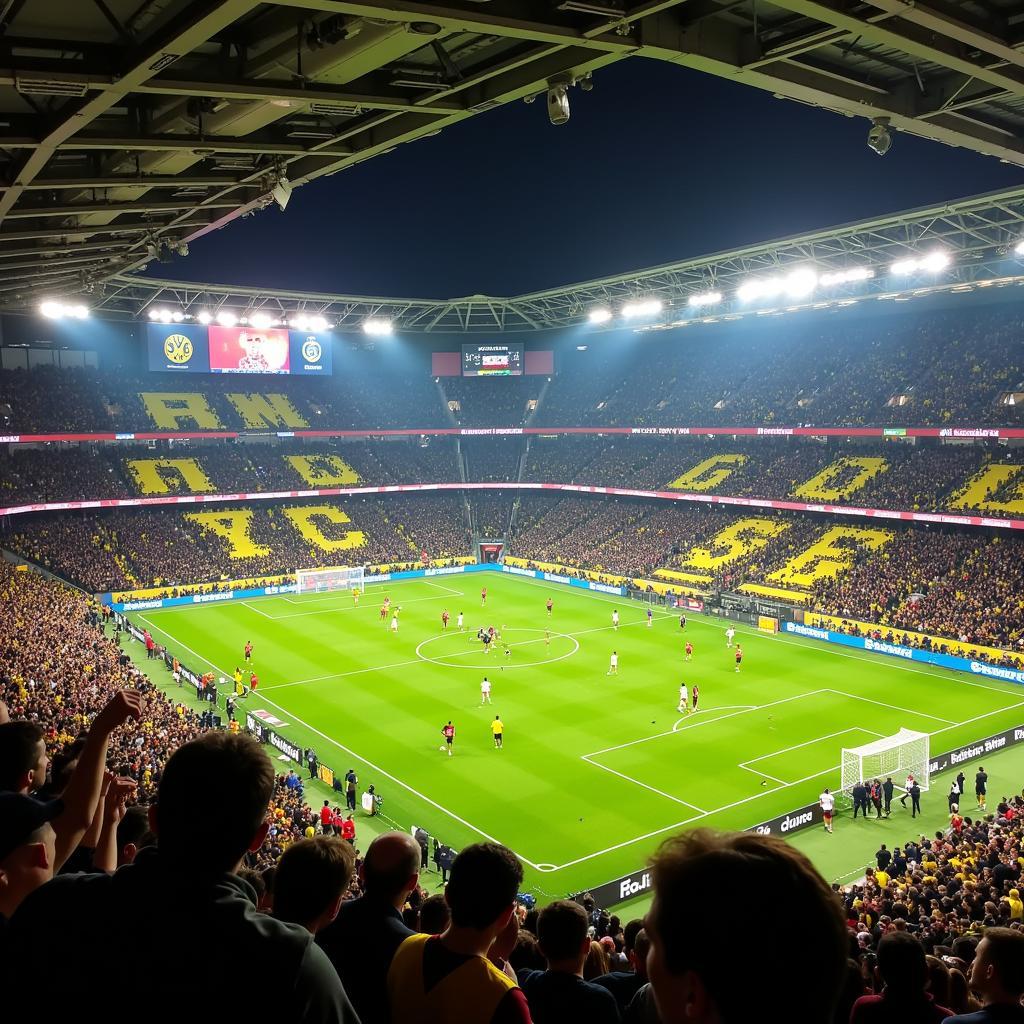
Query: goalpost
pixel 905 753
pixel 323 581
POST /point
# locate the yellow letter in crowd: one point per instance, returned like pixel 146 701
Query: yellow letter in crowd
pixel 178 410
pixel 842 478
pixel 831 555
pixel 981 488
pixel 258 411
pixel 323 470
pixel 707 475
pixel 741 538
pixel 168 476
pixel 233 526
pixel 307 521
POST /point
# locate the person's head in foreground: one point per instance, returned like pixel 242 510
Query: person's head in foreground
pixel 997 974
pixel 709 963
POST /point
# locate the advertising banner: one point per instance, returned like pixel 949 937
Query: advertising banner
pixel 177 348
pixel 310 353
pixel 249 350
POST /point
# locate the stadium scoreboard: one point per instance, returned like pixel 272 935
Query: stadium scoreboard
pixel 497 360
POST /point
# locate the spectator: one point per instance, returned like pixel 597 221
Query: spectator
pixel 363 939
pixel 27 849
pixel 182 895
pixel 560 993
pixel 997 977
pixel 434 915
pixel 707 877
pixel 623 985
pixel 438 977
pixel 311 881
pixel 905 999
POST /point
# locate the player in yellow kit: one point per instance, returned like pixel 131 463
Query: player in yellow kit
pixel 497 730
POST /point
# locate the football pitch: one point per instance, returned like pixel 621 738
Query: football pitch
pixel 595 769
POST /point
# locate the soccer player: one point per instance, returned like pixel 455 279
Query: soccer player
pixel 248 650
pixel 238 680
pixel 444 619
pixel 981 787
pixel 448 732
pixel 682 622
pixel 384 614
pixel 394 623
pixel 483 597
pixel 689 650
pixel 355 597
pixel 650 617
pixel 615 618
pixel 459 622
pixel 739 656
pixel 254 681
pixel 497 729
pixel 550 605
pixel 694 698
pixel 613 664
pixel 828 805
pixel 906 790
pixel 547 637
pixel 487 642
pixel 684 699
pixel 485 691
pixel 730 634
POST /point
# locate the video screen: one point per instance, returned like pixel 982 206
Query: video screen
pixel 249 350
pixel 500 360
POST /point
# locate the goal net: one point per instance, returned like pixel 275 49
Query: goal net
pixel 319 581
pixel 903 754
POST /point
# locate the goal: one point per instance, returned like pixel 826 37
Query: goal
pixel 320 581
pixel 905 753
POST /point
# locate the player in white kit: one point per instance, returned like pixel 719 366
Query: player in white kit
pixel 485 691
pixel 394 623
pixel 613 664
pixel 615 619
pixel 730 633
pixel 461 626
pixel 684 699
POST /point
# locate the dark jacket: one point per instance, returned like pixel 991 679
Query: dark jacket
pixel 176 946
pixel 557 998
pixel 361 943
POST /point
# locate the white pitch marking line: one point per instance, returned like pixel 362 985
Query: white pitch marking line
pixel 807 743
pixel 763 775
pixel 347 608
pixel 258 611
pixel 447 590
pixel 637 782
pixel 708 721
pixel 978 718
pixel 894 707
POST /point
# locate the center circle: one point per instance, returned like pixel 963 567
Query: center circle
pixel 463 650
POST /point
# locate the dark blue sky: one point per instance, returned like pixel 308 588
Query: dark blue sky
pixel 657 164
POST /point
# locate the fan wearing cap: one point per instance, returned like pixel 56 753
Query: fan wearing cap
pixel 27 843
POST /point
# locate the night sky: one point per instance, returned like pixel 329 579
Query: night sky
pixel 657 164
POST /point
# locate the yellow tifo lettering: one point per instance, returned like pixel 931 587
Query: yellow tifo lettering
pixel 842 478
pixel 165 476
pixel 233 526
pixel 174 410
pixel 308 518
pixel 323 470
pixel 707 475
pixel 741 538
pixel 833 554
pixel 978 493
pixel 272 410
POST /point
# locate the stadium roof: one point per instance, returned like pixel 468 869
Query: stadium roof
pixel 978 235
pixel 130 125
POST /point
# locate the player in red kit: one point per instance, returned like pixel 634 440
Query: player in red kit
pixel 448 732
pixel 248 650
pixel 551 605
pixel 444 618
pixel 483 597
pixel 689 650
pixel 384 614
pixel 739 656
pixel 695 693
pixel 253 682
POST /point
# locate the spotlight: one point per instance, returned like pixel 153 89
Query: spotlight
pixel 933 263
pixel 165 316
pixel 879 139
pixel 282 192
pixel 177 316
pixel 261 321
pixel 226 318
pixel 1019 248
pixel 52 310
pixel 181 248
pixel 78 312
pixel 705 299
pixel 154 313
pixel 800 283
pixel 586 83
pixel 599 316
pixel 558 103
pixel 317 323
pixel 642 307
pixel 377 327
pixel 300 322
pixel 203 317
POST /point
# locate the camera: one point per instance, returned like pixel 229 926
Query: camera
pixel 558 103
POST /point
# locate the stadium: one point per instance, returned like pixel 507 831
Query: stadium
pixel 495 657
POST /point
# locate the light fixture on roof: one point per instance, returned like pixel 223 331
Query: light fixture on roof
pixel 705 299
pixel 599 316
pixel 204 317
pixel 261 321
pixel 177 316
pixel 800 283
pixel 282 192
pixel 226 318
pixel 642 307
pixel 378 327
pixel 879 139
pixel 300 322
pixel 932 263
pixel 835 277
pixel 154 313
pixel 318 323
pixel 1019 248
pixel 54 310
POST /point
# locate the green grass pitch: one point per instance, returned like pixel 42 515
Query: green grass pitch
pixel 595 769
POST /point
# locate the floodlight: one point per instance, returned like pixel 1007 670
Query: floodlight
pixel 261 321
pixel 204 317
pixel 800 283
pixel 935 261
pixel 558 103
pixel 300 322
pixel 705 299
pixel 377 327
pixel 879 139
pixel 282 192
pixel 599 316
pixel 226 318
pixel 177 316
pixel 154 313
pixel 642 307
pixel 52 310
pixel 1019 248
pixel 317 323
pixel 903 267
pixel 78 312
